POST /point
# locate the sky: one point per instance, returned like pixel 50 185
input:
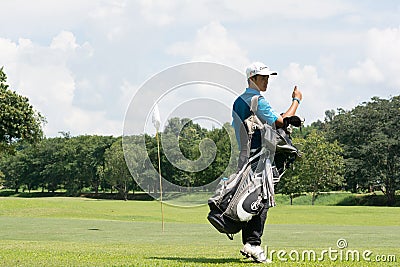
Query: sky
pixel 81 63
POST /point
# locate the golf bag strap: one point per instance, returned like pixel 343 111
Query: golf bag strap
pixel 254 103
pixel 252 123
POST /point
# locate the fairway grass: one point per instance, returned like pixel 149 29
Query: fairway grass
pixel 87 232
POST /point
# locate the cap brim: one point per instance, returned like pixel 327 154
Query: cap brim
pixel 267 72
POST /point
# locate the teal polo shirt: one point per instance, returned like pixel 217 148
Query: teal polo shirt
pixel 241 111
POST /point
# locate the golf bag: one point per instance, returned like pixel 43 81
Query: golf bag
pixel 245 193
pixel 237 199
pixel 285 152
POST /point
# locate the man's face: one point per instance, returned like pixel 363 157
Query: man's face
pixel 261 82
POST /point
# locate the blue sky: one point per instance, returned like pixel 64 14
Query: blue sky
pixel 81 62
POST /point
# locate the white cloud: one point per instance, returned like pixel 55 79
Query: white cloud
pixel 212 43
pixel 310 9
pixel 383 48
pixel 108 9
pixel 127 92
pixel 158 12
pixel 365 73
pixel 93 122
pixel 381 65
pixel 307 75
pixel 38 19
pixel 162 13
pixel 316 93
pixel 110 19
pixel 41 74
pixel 8 50
pixel 77 59
pixel 64 41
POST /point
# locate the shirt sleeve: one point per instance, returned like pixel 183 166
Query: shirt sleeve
pixel 266 112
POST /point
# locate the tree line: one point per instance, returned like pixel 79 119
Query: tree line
pixel 355 150
pixel 92 163
pixel 366 138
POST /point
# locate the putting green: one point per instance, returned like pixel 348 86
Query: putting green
pixel 83 232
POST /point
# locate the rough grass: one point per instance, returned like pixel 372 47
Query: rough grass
pixel 87 232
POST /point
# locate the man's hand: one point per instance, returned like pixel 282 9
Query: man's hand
pixel 292 109
pixel 297 94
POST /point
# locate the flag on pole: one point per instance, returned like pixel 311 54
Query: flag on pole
pixel 156 122
pixel 156 117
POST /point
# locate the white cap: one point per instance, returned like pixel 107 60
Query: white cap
pixel 258 68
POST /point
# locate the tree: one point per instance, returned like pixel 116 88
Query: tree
pixel 11 167
pixel 371 140
pixel 18 119
pixel 196 156
pixel 53 165
pixel 71 163
pixel 225 162
pixel 100 144
pixel 2 176
pixel 85 154
pixel 290 183
pixel 322 165
pixel 135 158
pixel 116 170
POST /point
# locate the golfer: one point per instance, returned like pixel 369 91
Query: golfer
pixel 257 77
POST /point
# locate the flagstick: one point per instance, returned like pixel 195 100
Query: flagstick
pixel 159 171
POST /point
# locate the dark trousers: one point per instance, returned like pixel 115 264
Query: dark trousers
pixel 253 229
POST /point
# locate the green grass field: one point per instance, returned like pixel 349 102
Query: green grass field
pixel 85 232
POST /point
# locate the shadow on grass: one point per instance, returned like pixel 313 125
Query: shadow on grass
pixel 367 200
pixel 40 194
pixel 199 260
pixel 141 196
pixel 7 193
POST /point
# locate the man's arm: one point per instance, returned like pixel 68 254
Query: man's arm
pixel 293 107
